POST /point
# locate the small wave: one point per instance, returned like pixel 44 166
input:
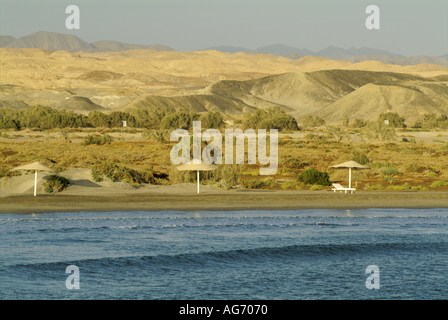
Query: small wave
pixel 255 255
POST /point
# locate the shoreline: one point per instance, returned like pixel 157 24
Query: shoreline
pixel 222 201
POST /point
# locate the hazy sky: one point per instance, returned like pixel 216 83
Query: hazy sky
pixel 407 27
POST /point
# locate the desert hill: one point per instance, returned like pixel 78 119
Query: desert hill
pixel 196 103
pixel 5 40
pixel 56 41
pixel 120 46
pixel 80 104
pixel 13 104
pixel 68 42
pixel 212 80
pixel 336 93
pixel 352 54
pixel 370 100
pixel 52 41
pixel 409 61
pixel 331 94
pixel 330 52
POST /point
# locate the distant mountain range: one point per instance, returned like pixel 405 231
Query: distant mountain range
pixel 55 41
pixel 335 53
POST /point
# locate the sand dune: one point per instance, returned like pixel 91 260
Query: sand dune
pixel 22 184
pixel 81 181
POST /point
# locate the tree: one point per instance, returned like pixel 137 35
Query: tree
pixel 313 121
pixel 272 118
pixel 181 119
pixel 381 131
pixel 395 121
pixel 346 121
pixel 212 120
pixel 337 132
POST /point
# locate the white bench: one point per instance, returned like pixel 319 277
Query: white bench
pixel 338 187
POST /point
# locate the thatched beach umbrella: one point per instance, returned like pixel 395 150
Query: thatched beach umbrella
pixel 35 166
pixel 350 165
pixel 197 167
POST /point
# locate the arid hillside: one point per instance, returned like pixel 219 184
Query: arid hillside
pixel 211 80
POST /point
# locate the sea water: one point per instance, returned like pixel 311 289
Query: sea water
pixel 302 254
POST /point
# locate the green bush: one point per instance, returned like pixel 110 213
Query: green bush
pixel 314 176
pixel 293 163
pixel 395 121
pixel 312 136
pixel 419 188
pixel 182 119
pixel 376 187
pixel 389 172
pixel 113 172
pixel 55 183
pixel 5 171
pixel 257 184
pixel 96 139
pixel 313 121
pixel 337 132
pixel 359 123
pixel 431 121
pixel 439 183
pixel 379 130
pixel 272 118
pixel 288 184
pixel 212 120
pixel 360 157
pixel 41 117
pixel 229 174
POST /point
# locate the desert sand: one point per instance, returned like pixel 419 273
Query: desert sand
pixel 16 196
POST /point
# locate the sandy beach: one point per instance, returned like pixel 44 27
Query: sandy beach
pixel 220 200
pixel 85 194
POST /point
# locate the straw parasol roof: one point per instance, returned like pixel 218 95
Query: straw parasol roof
pixel 350 164
pixel 35 166
pixel 197 167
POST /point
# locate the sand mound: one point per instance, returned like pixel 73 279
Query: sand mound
pixel 80 181
pixel 13 104
pixel 80 177
pixel 99 75
pixel 372 65
pixel 79 104
pixel 308 59
pixel 23 184
pixel 424 67
pixel 64 54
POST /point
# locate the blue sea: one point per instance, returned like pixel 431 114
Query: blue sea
pixel 232 255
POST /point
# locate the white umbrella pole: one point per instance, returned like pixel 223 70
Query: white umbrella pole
pixel 198 181
pixel 35 183
pixel 349 177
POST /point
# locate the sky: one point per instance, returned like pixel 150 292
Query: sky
pixel 407 27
